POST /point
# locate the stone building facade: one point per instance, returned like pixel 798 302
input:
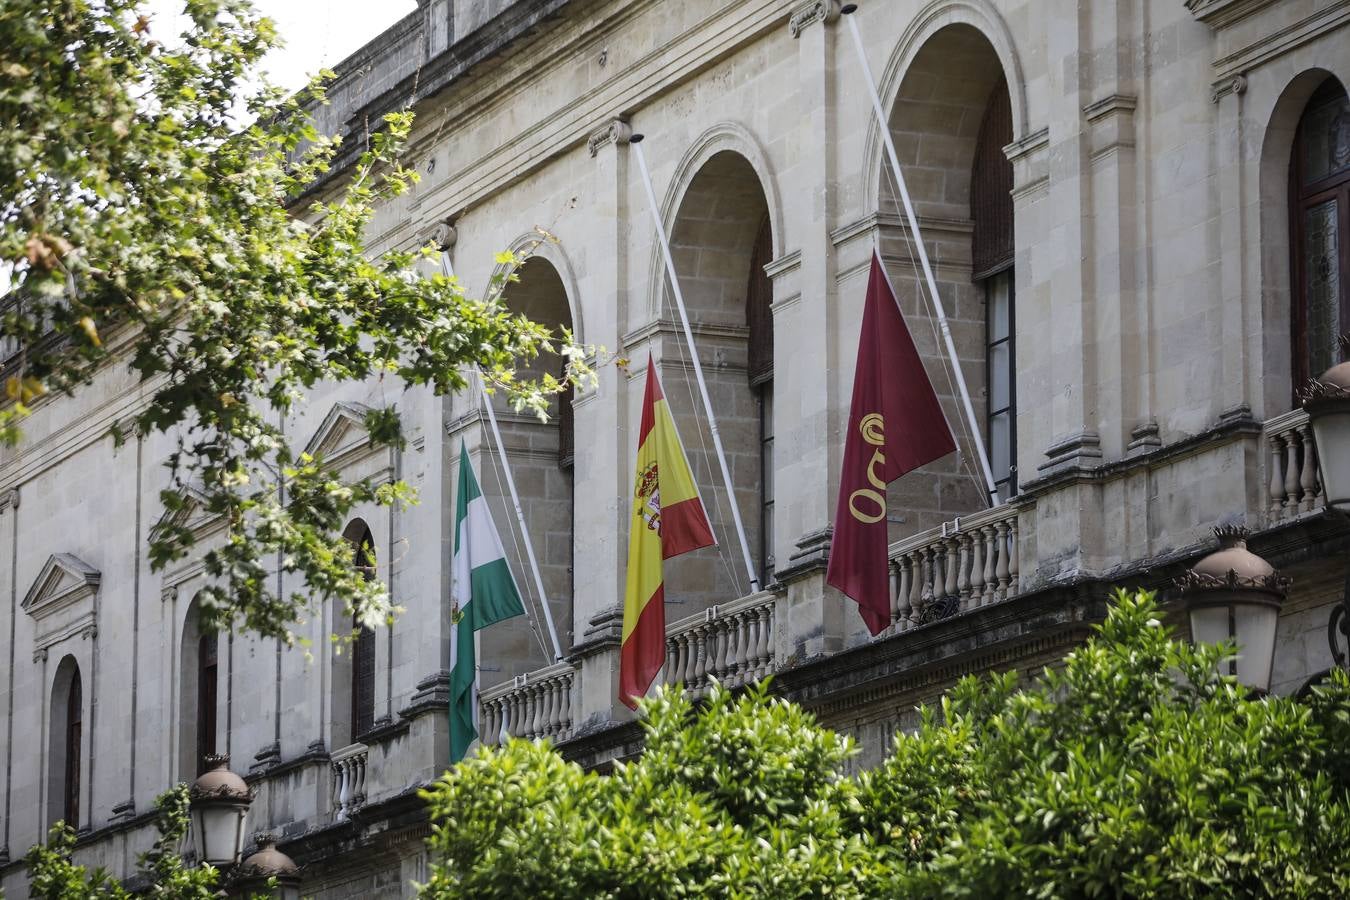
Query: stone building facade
pixel 1137 212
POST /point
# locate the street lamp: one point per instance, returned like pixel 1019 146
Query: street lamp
pixel 252 877
pixel 219 802
pixel 1327 400
pixel 1234 595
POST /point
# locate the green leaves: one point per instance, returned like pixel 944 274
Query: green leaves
pixel 1131 770
pixel 150 217
pixel 53 876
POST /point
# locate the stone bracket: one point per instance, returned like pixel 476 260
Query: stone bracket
pixel 808 14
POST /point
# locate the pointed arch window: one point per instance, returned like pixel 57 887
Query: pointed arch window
pixel 759 319
pixel 1319 191
pixel 992 247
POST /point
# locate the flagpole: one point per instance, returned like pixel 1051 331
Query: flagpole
pixel 515 498
pixel 636 142
pixel 975 430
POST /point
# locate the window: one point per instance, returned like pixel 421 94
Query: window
pixel 991 212
pixel 759 319
pixel 70 803
pixel 207 649
pixel 363 653
pixel 65 743
pixel 1319 190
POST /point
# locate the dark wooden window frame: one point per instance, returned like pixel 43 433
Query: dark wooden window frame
pixel 992 253
pixel 74 738
pixel 1302 198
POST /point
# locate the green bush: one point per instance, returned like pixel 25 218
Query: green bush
pixel 1134 770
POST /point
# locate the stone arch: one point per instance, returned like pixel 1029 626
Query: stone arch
pixel 542 460
pixel 722 220
pixel 952 110
pixel 536 247
pixel 979 15
pixel 723 137
pixel 1274 246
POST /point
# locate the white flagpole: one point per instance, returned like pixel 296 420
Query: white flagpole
pixel 515 498
pixel 848 10
pixel 636 142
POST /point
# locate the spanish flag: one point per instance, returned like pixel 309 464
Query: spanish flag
pixel 668 519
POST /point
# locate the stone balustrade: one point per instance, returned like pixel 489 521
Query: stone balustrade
pixel 534 705
pixel 733 643
pixel 969 562
pixel 349 780
pixel 1295 487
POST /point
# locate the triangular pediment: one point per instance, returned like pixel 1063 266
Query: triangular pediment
pixel 65 579
pixel 190 514
pixel 342 435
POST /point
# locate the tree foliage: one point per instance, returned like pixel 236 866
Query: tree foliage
pixel 1134 770
pixel 148 197
pixel 54 876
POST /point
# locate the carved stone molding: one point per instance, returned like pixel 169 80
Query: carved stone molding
pixel 615 131
pixel 1237 85
pixel 443 235
pixel 1221 13
pixel 810 13
pixel 1084 447
pixel 62 600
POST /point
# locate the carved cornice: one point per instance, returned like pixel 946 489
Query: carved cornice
pixel 812 12
pixel 615 131
pixel 1222 13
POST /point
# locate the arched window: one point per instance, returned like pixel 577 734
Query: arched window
pixel 66 743
pixel 363 651
pixel 759 319
pixel 991 212
pixel 1319 193
pixel 198 657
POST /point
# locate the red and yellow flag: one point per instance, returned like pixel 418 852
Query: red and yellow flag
pixel 668 519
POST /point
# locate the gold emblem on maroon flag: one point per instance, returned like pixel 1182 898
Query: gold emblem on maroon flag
pixel 649 495
pixel 873 429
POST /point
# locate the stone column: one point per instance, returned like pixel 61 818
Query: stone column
pixel 806 429
pixel 602 470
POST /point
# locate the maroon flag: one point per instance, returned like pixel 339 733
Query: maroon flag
pixel 895 425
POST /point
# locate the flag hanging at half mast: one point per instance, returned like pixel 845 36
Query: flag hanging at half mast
pixel 482 593
pixel 668 519
pixel 895 425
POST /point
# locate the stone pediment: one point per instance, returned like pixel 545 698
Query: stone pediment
pixel 62 599
pixel 192 515
pixel 342 437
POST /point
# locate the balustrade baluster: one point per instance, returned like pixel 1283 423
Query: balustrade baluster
pixel 902 601
pixel 1014 555
pixel 893 571
pixel 700 637
pixel 1276 477
pixel 977 568
pixel 1001 568
pixel 764 653
pixel 1291 480
pixel 1308 475
pixel 990 563
pixel 963 571
pixel 950 548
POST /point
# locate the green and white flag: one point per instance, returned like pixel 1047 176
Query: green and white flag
pixel 482 592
